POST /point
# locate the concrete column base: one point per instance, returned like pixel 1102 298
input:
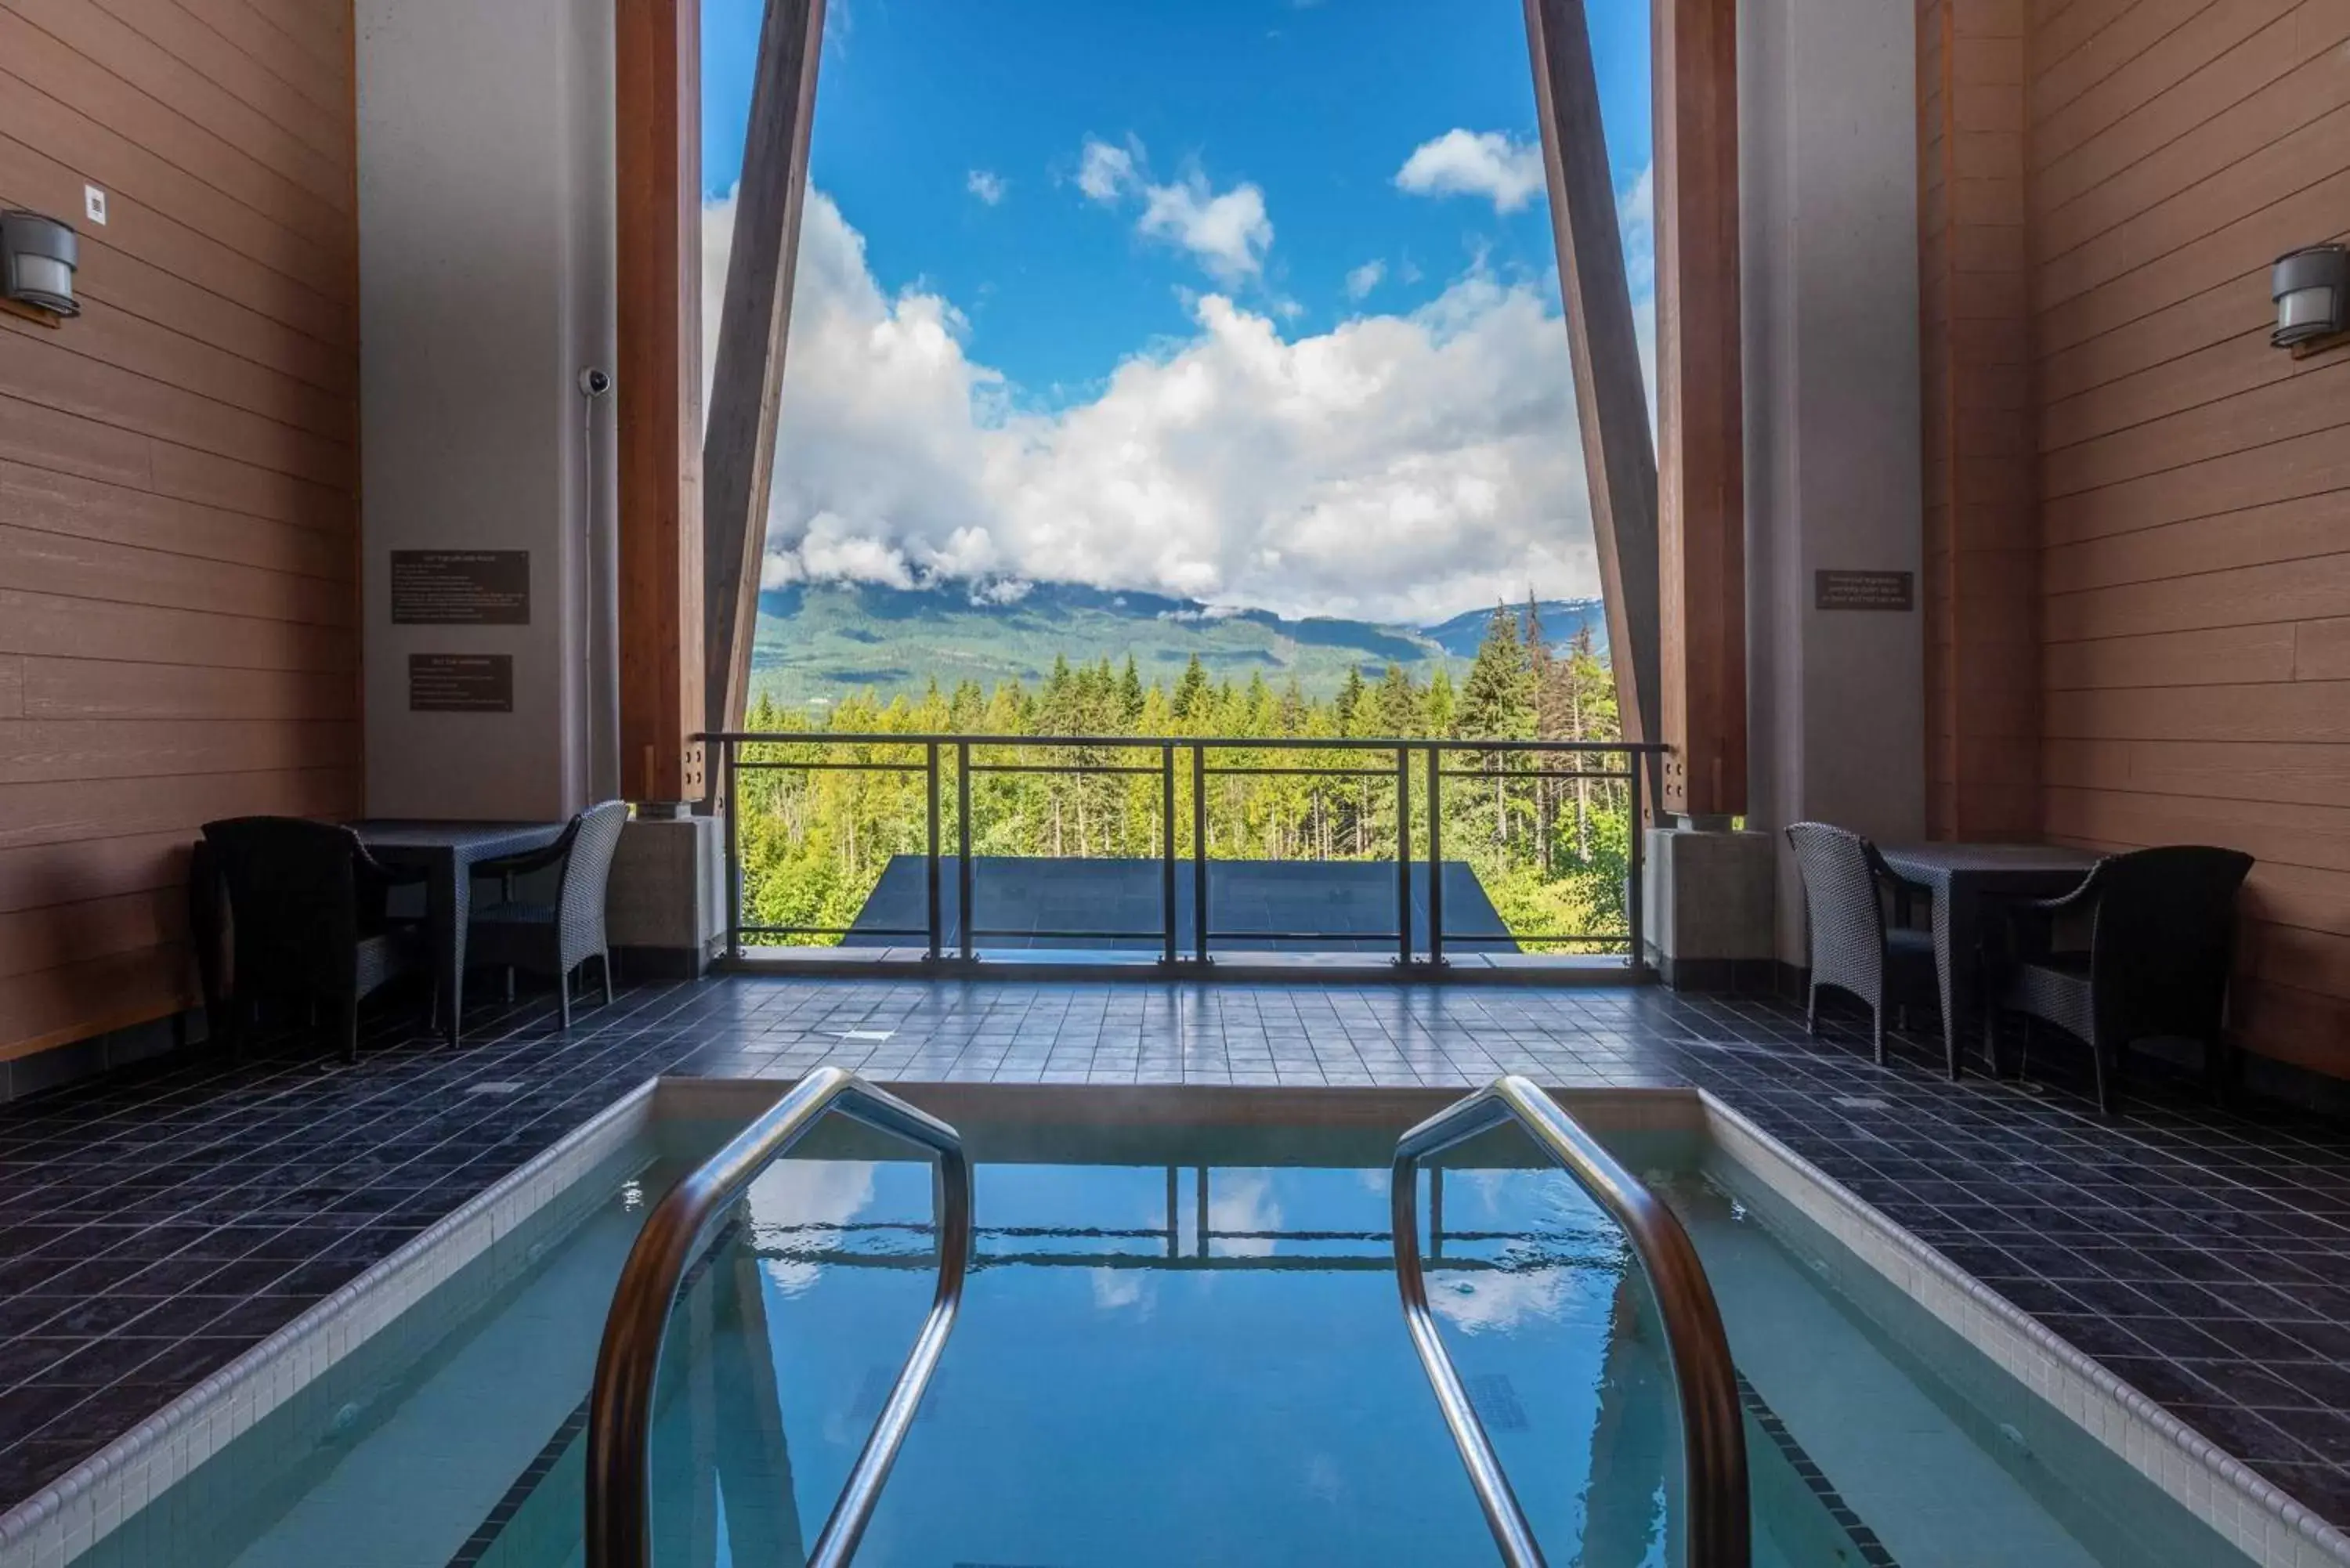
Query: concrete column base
pixel 1708 901
pixel 666 912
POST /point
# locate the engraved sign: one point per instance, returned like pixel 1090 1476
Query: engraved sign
pixel 461 588
pixel 461 683
pixel 1865 590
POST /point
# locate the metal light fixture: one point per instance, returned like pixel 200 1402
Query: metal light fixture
pixel 38 258
pixel 2310 288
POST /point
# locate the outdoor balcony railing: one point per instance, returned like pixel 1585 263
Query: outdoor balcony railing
pixel 1157 799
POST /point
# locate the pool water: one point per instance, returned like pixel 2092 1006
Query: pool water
pixel 1182 1345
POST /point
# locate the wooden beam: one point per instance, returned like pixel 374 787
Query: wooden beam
pixel 658 136
pixel 1701 510
pixel 1611 400
pixel 738 453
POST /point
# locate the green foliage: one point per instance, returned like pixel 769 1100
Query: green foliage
pixel 1551 852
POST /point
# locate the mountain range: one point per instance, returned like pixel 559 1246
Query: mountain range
pixel 818 642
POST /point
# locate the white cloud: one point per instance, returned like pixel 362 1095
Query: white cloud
pixel 1497 1302
pixel 1365 278
pixel 1243 1200
pixel 1105 172
pixel 1398 467
pixel 1117 1289
pixel 820 1194
pixel 987 186
pixel 1474 163
pixel 1227 232
pixel 1636 219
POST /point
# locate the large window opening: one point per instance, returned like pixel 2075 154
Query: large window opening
pixel 1159 373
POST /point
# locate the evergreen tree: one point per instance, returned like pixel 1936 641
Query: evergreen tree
pixel 1395 704
pixel 1192 693
pixel 1349 700
pixel 1129 691
pixel 1497 700
pixel 1443 707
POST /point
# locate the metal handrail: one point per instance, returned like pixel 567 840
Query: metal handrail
pixel 1636 758
pixel 620 1408
pixel 1139 743
pixel 1713 1435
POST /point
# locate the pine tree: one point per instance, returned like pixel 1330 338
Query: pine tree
pixel 1351 700
pixel 1396 705
pixel 1442 706
pixel 1191 692
pixel 1497 700
pixel 1497 703
pixel 1130 693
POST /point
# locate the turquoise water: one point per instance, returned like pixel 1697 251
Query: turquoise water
pixel 1178 1346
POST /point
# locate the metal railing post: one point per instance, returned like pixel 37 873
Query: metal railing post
pixel 962 844
pixel 1634 893
pixel 1403 856
pixel 1199 850
pixel 1167 854
pixel 931 868
pixel 1435 855
pixel 729 784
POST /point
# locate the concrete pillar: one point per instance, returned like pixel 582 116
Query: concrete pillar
pixel 1828 180
pixel 666 912
pixel 485 287
pixel 1707 893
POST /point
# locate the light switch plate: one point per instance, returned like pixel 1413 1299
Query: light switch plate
pixel 93 201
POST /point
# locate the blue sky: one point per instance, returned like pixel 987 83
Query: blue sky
pixel 1073 194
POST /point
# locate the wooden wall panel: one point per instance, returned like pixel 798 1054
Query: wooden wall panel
pixel 2193 484
pixel 178 517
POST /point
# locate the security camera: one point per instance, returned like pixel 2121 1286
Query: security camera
pixel 595 383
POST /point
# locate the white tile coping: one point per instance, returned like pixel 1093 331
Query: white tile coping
pixel 77 1509
pixel 2248 1511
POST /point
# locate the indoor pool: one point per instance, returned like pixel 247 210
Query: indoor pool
pixel 1180 1344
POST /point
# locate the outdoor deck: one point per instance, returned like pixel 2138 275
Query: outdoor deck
pixel 1027 903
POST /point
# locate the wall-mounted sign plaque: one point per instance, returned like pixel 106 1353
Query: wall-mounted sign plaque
pixel 1865 590
pixel 461 683
pixel 461 588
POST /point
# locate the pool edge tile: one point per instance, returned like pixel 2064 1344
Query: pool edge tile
pixel 2245 1509
pixel 72 1513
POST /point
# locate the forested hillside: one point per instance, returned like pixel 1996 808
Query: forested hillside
pixel 1551 852
pixel 820 643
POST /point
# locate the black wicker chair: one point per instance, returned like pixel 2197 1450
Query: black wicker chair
pixel 554 939
pixel 1854 947
pixel 304 907
pixel 2161 932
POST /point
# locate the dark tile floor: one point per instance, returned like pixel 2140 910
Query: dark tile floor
pixel 160 1222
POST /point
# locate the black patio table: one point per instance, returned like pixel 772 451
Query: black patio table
pixel 446 853
pixel 1961 876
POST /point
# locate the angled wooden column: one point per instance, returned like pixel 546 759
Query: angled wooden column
pixel 1611 404
pixel 658 136
pixel 738 453
pixel 1702 497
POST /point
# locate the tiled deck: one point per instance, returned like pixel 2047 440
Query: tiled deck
pixel 162 1222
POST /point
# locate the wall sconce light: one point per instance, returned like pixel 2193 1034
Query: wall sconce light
pixel 37 259
pixel 2310 288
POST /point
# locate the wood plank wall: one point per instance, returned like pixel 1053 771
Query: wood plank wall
pixel 2193 483
pixel 1982 556
pixel 178 477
